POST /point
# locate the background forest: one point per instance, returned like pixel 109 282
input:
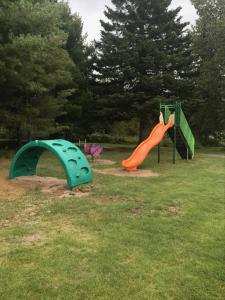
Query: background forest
pixel 55 84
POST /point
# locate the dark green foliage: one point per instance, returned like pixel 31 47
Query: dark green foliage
pixel 36 71
pixel 41 66
pixel 144 54
pixel 53 84
pixel 209 46
pixel 98 137
pixel 31 94
pixel 77 108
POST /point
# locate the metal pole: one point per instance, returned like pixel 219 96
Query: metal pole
pixel 175 131
pixel 174 144
pixel 158 153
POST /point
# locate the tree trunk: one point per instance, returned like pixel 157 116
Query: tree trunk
pixel 206 138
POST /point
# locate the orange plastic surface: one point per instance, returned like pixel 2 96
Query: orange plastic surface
pixel 140 153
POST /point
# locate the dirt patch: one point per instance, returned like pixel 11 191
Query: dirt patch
pixel 121 172
pixel 111 199
pixel 33 238
pixel 13 189
pixel 136 211
pixel 102 162
pixel 7 189
pixel 28 216
pixel 171 211
pixel 53 186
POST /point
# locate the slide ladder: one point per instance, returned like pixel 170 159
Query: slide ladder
pixel 173 121
pixel 180 133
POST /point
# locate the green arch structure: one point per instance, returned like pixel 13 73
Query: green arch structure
pixel 74 162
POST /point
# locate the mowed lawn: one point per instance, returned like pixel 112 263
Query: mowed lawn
pixel 133 238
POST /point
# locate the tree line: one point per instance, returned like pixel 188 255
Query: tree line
pixel 54 84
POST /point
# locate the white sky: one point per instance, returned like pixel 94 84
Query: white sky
pixel 91 12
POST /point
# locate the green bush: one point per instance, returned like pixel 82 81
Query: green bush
pixel 126 128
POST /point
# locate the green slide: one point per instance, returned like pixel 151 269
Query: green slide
pixel 180 133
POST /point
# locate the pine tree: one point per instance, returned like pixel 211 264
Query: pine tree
pixel 144 55
pixel 35 67
pixel 79 102
pixel 209 46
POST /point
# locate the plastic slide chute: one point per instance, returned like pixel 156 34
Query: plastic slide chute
pixel 179 132
pixel 140 153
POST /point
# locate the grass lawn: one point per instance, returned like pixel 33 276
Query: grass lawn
pixel 133 238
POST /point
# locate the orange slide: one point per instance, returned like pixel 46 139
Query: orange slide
pixel 140 153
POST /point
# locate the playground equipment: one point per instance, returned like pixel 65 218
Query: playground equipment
pixel 93 150
pixel 74 162
pixel 178 130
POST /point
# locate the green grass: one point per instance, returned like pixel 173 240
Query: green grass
pixel 133 238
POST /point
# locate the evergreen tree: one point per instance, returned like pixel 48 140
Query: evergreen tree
pixel 77 107
pixel 209 46
pixel 144 55
pixel 36 70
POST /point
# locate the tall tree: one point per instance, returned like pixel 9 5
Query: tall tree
pixel 209 46
pixel 79 102
pixel 35 67
pixel 143 55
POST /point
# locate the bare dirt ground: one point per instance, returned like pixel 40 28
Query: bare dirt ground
pixel 121 172
pixel 8 191
pixel 13 189
pixel 53 186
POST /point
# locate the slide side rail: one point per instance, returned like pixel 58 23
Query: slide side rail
pixel 186 131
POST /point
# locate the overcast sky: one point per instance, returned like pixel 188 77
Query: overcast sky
pixel 91 12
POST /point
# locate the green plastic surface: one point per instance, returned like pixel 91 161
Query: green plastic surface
pixel 74 162
pixel 187 133
pixel 180 122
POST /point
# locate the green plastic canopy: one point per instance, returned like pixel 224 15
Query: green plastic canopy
pixel 74 162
